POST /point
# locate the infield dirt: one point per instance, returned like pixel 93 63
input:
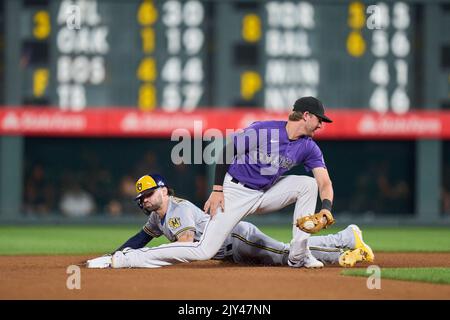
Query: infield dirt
pixel 44 277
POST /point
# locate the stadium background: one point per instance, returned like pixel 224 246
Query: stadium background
pixel 87 109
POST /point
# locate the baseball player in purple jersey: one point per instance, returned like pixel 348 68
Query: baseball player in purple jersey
pixel 253 182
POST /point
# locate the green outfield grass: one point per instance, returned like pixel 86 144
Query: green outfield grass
pixel 433 275
pixel 36 240
pixel 59 239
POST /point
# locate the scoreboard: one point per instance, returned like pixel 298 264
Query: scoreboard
pixel 284 50
pixel 182 55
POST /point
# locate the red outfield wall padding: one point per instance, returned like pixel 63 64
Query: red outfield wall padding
pixel 127 122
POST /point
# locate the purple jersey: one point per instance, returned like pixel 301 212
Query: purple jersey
pixel 264 153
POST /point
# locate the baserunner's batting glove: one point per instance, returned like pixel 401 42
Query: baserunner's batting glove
pixel 315 222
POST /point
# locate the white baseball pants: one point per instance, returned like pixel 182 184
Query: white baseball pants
pixel 251 246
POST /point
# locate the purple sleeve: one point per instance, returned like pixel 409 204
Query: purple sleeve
pixel 314 158
pixel 246 139
pixel 236 145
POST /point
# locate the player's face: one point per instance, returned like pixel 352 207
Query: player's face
pixel 313 123
pixel 153 201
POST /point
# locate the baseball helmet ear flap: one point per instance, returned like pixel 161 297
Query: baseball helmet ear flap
pixel 146 185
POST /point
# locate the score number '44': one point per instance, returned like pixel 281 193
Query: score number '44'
pixel 174 73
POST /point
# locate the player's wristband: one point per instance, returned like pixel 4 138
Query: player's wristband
pixel 217 191
pixel 326 204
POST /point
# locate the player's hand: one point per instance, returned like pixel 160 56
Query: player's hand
pixel 100 262
pixel 215 200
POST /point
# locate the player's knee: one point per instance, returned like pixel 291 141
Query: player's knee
pixel 313 183
pixel 306 185
pixel 243 228
pixel 242 225
pixel 310 184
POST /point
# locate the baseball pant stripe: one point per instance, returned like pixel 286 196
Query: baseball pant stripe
pixel 325 249
pixel 234 235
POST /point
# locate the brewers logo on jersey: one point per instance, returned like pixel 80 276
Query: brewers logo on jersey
pixel 174 222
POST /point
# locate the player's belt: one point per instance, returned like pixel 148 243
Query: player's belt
pixel 245 185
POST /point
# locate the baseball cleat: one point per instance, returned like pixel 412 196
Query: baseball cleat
pixel 360 252
pixel 99 263
pixel 312 263
pixel 360 244
pixel 350 257
pixel 308 262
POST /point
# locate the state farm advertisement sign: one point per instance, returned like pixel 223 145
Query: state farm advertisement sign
pixel 127 122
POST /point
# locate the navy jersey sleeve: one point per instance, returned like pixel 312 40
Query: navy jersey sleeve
pixel 151 227
pixel 139 240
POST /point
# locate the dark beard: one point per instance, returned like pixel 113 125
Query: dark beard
pixel 153 208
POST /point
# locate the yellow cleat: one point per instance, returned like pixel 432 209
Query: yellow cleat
pixel 361 251
pixel 350 257
pixel 360 244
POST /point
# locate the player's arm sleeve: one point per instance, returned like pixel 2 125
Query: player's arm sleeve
pixel 140 239
pixel 235 146
pixel 182 221
pixel 137 241
pixel 314 159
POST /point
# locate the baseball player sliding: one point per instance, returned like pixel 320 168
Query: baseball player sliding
pixel 181 221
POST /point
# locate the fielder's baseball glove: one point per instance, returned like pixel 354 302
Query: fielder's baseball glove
pixel 316 222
